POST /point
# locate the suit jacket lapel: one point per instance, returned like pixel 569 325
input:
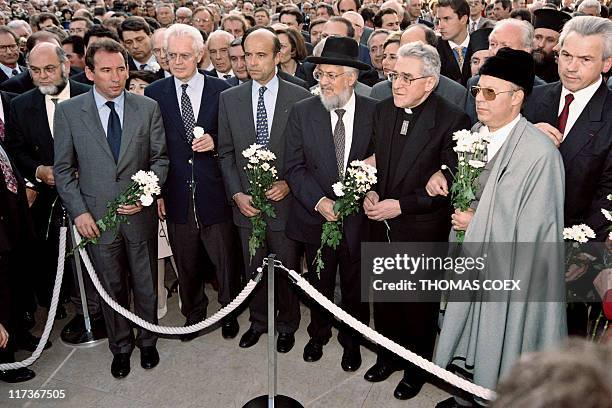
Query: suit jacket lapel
pixel 586 126
pixel 91 120
pixel 323 137
pixel 245 107
pixel 281 114
pixel 359 143
pixel 417 139
pixel 174 112
pixel 130 115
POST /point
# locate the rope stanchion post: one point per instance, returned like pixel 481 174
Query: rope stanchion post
pixel 272 400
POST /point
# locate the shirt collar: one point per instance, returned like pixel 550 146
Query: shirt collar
pixel 464 44
pixel 101 100
pixel 585 93
pixel 194 82
pixel 272 85
pixel 8 70
pixel 502 133
pixel 62 96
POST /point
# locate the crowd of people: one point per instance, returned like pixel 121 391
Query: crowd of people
pixel 92 92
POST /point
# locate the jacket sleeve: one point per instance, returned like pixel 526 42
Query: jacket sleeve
pixel 227 152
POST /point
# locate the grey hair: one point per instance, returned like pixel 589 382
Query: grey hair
pixel 424 52
pixel 589 4
pixel 184 30
pixel 587 26
pixel 524 26
pixel 59 52
pixel 19 23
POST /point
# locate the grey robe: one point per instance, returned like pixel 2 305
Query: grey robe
pixel 522 201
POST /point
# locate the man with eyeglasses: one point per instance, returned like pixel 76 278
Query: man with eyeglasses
pixel 519 200
pixel 194 201
pixel 575 114
pixel 183 15
pixel 79 26
pixel 324 135
pixel 30 141
pixel 157 40
pixel 412 140
pixel 9 54
pixel 202 19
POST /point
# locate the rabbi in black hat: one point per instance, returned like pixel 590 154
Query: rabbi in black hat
pixel 324 134
pixel 519 199
pixel 548 24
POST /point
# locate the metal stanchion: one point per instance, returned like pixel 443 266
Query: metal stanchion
pixel 272 400
pixel 87 339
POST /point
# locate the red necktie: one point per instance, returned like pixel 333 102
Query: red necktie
pixel 565 113
pixel 9 176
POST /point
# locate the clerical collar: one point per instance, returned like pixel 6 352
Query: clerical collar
pixel 408 111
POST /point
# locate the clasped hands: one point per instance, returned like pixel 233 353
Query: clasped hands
pixel 277 192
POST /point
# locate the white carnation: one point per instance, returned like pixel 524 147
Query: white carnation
pixel 198 132
pixel 146 200
pixel 607 214
pixel 265 166
pixel 477 164
pixel 338 189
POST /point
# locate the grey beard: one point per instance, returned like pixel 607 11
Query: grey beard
pixel 53 89
pixel 337 101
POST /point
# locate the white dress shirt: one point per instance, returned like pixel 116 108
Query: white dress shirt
pixel 195 87
pixel 499 136
pixel 149 63
pixel 464 44
pixel 50 106
pixel 269 100
pixel 104 111
pixel 581 99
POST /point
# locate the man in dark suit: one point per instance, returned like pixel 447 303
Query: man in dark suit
pixel 30 141
pixel 412 140
pixel 108 135
pixel 96 33
pixel 218 45
pixel 575 114
pixel 194 200
pixel 262 124
pixel 316 157
pixel 453 45
pixel 9 54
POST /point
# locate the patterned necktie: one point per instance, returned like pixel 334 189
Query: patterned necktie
pixel 339 142
pixel 1 130
pixel 473 27
pixel 9 176
pixel 262 120
pixel 459 51
pixel 113 131
pixel 187 114
pixel 569 98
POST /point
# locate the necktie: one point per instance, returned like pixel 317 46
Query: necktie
pixel 54 100
pixel 569 98
pixel 14 72
pixel 113 131
pixel 227 76
pixel 1 130
pixel 262 119
pixel 9 176
pixel 459 51
pixel 142 67
pixel 187 114
pixel 473 27
pixel 339 142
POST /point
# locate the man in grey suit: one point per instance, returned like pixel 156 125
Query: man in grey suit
pixel 261 123
pixel 102 138
pixel 450 90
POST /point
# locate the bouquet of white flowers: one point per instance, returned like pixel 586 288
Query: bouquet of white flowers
pixel 144 186
pixel 360 178
pixel 471 150
pixel 261 174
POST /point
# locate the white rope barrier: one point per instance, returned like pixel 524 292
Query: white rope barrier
pixel 378 338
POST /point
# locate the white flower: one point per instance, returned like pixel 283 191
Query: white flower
pixel 153 67
pixel 579 233
pixel 338 189
pixel 609 197
pixel 146 200
pixel 444 167
pixel 607 214
pixel 477 164
pixel 462 134
pixel 250 151
pixel 198 132
pixel 265 166
pixel 253 160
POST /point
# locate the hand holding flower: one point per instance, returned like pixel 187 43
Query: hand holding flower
pixel 326 209
pixel 129 209
pixel 203 143
pixel 384 210
pixel 461 219
pixel 278 191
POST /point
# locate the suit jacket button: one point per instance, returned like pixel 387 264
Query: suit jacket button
pixel 117 179
pixel 190 161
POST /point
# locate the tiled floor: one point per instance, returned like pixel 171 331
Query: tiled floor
pixel 207 372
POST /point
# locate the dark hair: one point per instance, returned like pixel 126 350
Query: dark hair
pixel 250 20
pixel 356 2
pixel 133 24
pixel 204 35
pixel 153 23
pixel 522 14
pixel 291 11
pixel 506 4
pixel 99 11
pixel 350 31
pixel 367 14
pixel 78 46
pixel 276 42
pixel 47 16
pixel 260 9
pixel 460 7
pixel 330 9
pixel 34 38
pixel 378 17
pixel 106 45
pixel 131 6
pixel 100 32
pixel 298 45
pixel 316 22
pixel 88 22
pixel 145 76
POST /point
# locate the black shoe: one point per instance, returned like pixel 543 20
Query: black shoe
pixel 27 341
pixel 351 360
pixel 378 372
pixel 149 357
pixel 250 338
pixel 313 351
pixel 16 376
pixel 230 328
pixel 448 403
pixel 406 389
pixel 28 320
pixel 285 342
pixel 188 336
pixel 121 365
pixel 60 312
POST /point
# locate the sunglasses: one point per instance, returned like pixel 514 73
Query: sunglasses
pixel 488 93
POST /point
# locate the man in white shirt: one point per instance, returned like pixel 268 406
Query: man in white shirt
pixel 218 45
pixel 135 35
pixel 9 54
pixel 453 45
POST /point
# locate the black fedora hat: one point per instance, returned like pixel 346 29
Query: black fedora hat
pixel 340 51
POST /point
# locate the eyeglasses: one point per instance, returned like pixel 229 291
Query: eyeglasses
pixel 201 20
pixel 11 47
pixel 393 77
pixel 488 93
pixel 319 75
pixel 49 69
pixel 172 56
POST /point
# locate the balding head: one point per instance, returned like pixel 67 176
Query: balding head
pixel 263 36
pixel 419 32
pixel 357 22
pixel 49 68
pixel 393 4
pixel 220 35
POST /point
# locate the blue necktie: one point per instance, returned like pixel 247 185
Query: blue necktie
pixel 262 119
pixel 113 131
